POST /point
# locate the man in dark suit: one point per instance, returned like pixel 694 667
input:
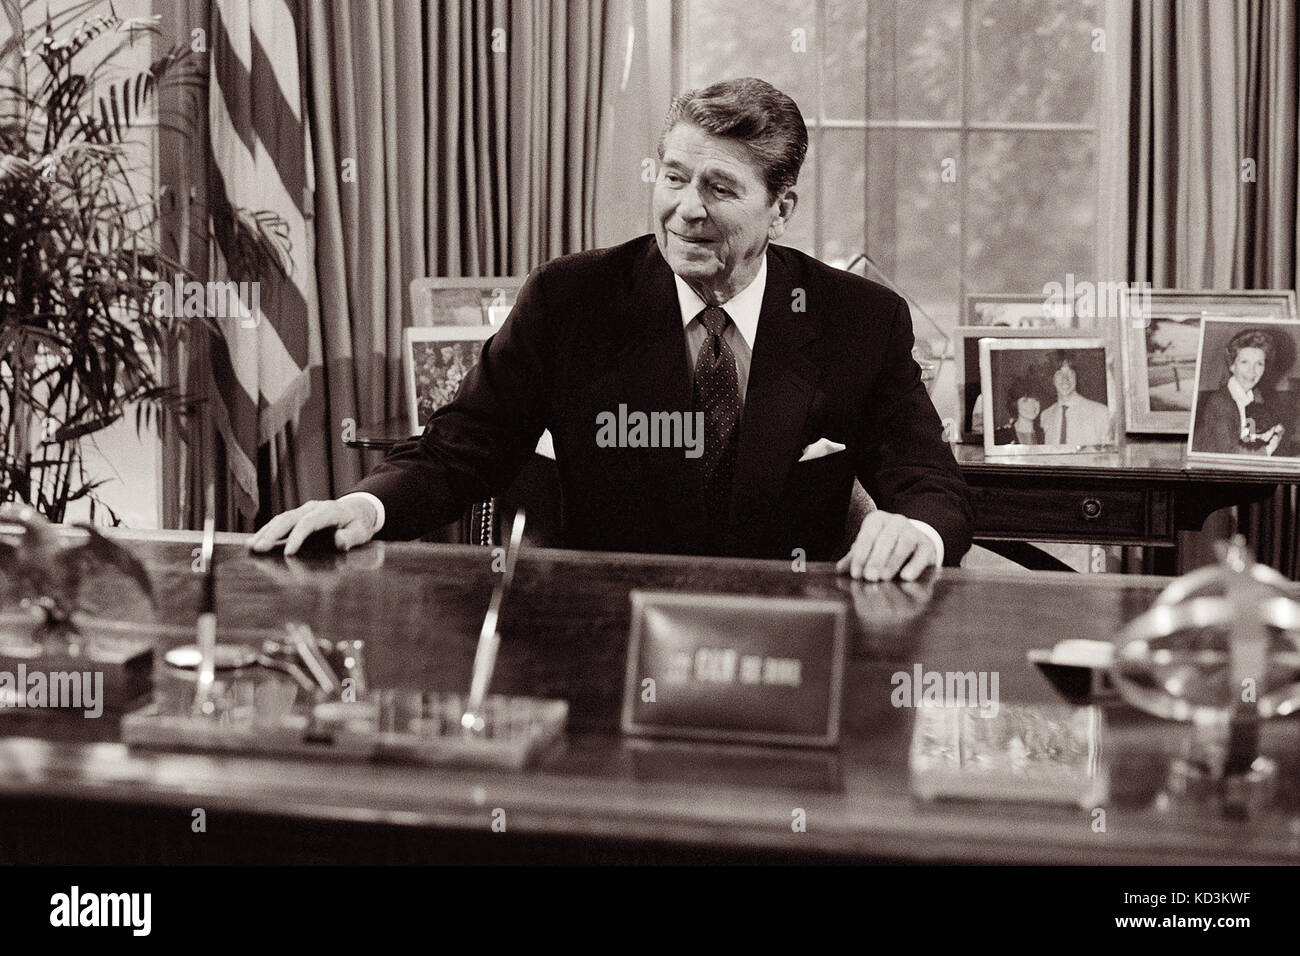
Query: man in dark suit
pixel 707 392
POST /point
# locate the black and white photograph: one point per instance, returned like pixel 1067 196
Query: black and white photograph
pixel 1160 351
pixel 966 353
pixel 648 433
pixel 1048 396
pixel 1247 407
pixel 463 301
pixel 1034 311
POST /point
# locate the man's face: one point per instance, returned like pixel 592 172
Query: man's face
pixel 1065 380
pixel 713 216
pixel 1248 367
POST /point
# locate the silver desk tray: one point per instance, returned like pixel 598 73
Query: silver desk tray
pixel 390 726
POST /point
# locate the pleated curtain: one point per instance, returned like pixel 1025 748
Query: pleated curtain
pixel 1214 182
pixel 452 138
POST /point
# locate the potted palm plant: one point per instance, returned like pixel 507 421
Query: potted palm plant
pixel 81 331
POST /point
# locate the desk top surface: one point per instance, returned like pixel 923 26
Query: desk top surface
pixel 419 608
pixel 1150 459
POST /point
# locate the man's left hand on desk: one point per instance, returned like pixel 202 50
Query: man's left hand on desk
pixel 888 546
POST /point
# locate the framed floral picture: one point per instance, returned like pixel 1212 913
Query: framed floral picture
pixel 436 361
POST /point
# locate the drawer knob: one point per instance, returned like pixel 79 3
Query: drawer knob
pixel 1090 509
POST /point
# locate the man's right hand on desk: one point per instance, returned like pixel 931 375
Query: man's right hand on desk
pixel 357 516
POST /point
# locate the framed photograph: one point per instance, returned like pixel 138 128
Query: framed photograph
pixel 1160 351
pixel 463 301
pixel 436 360
pixel 1246 406
pixel 1049 396
pixel 1031 311
pixel 966 352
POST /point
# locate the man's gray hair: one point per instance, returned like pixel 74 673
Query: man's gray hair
pixel 757 114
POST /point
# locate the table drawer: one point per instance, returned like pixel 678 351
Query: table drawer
pixel 1073 514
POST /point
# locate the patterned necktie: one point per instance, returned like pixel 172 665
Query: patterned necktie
pixel 717 395
pixel 1064 423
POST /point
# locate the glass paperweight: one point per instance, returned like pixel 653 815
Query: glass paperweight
pixel 1038 753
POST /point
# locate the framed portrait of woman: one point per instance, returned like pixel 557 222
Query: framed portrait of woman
pixel 1246 407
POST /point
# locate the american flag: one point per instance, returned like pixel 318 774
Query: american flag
pixel 261 168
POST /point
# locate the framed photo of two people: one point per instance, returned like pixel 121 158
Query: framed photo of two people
pixel 1049 395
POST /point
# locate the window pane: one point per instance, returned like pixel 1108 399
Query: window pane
pixel 845 71
pixel 799 233
pixel 1033 60
pixel 914 59
pixel 1032 213
pixel 913 217
pixel 844 170
pixel 730 38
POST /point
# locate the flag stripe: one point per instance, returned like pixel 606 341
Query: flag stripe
pixel 289 315
pixel 232 77
pixel 278 126
pixel 259 110
pixel 261 370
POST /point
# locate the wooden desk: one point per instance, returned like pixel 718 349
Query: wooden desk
pixel 1142 494
pixel 70 793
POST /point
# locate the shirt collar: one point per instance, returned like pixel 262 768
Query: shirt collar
pixel 1239 394
pixel 743 307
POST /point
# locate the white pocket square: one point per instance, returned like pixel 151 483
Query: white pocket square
pixel 820 449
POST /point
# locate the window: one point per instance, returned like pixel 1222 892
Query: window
pixel 956 142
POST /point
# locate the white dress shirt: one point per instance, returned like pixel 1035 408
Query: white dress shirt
pixel 1087 422
pixel 1243 398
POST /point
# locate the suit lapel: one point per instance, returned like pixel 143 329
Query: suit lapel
pixel 656 377
pixel 782 381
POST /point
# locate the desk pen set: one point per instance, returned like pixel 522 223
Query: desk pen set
pixel 288 692
pixel 296 694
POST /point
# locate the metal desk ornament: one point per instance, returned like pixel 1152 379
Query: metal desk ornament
pixel 327 709
pixel 1220 648
pixel 52 634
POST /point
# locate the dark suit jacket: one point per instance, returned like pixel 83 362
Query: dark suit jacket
pixel 1218 423
pixel 598 329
